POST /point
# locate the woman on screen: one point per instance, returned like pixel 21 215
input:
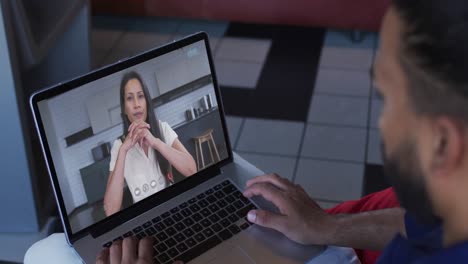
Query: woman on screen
pixel 147 151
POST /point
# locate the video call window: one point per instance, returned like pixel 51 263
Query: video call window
pixel 125 137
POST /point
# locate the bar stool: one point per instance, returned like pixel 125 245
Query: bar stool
pixel 208 138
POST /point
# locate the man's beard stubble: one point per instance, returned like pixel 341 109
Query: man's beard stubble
pixel 403 171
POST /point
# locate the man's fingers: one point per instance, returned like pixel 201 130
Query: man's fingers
pixel 115 252
pixel 269 192
pixel 145 249
pixel 274 179
pixel 267 219
pixel 129 250
pixel 103 257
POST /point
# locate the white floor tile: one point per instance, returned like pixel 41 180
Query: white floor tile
pixel 283 166
pixel 238 74
pixel 271 137
pixel 233 125
pixel 347 58
pixel 339 110
pixel 376 109
pixel 330 180
pixel 343 82
pixel 336 143
pixel 374 154
pixel 243 49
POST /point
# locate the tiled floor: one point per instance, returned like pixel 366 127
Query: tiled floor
pixel 307 113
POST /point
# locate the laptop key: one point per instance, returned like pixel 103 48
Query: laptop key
pixel 192 201
pixel 191 242
pixel 203 203
pixel 234 229
pixel 217 187
pixel 188 232
pixel 222 213
pixel 137 230
pixel 219 194
pixel 238 204
pixel 211 199
pixel 147 224
pixel 163 258
pixel 214 208
pixel 188 221
pixel 195 208
pixel 170 242
pixel 161 247
pixel 229 189
pixel 200 237
pixel 197 228
pixel 179 237
pixel 208 232
pixel 181 247
pixel 197 217
pixel 225 234
pixel 179 226
pixel 214 218
pixel 175 210
pixel 128 234
pixel 210 191
pixel 150 231
pixel 201 196
pixel 177 217
pixel 156 219
pixel 244 226
pixel 230 199
pixel 205 212
pixel 168 221
pixel 216 227
pixel 225 223
pixel 173 252
pixel 205 223
pixel 161 236
pixel 199 249
pixel 159 226
pixel 170 231
pixel 222 203
pixel 140 236
pixel 233 218
pixel 230 209
pixel 166 215
pixel 183 205
pixel 117 239
pixel 237 194
pixel 186 212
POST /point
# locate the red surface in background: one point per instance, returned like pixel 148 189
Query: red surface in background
pixel 346 14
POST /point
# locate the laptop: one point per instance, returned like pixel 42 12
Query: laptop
pixel 194 209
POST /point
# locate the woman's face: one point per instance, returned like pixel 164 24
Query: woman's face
pixel 135 103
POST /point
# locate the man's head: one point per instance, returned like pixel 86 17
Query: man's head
pixel 422 73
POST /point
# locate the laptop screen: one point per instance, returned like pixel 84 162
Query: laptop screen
pixel 123 138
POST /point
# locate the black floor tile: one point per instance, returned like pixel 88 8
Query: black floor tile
pixel 374 179
pixel 286 84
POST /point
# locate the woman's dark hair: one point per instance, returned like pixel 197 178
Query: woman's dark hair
pixel 434 55
pixel 150 116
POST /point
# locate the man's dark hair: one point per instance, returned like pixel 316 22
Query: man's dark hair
pixel 150 117
pixel 434 55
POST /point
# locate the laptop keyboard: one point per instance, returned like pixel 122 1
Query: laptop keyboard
pixel 196 225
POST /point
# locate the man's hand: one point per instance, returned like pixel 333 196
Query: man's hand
pixel 301 219
pixel 129 251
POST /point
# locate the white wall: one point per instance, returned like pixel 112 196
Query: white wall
pixel 69 113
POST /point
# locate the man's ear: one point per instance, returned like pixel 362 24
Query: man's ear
pixel 448 146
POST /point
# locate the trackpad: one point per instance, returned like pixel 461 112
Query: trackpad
pixel 234 256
